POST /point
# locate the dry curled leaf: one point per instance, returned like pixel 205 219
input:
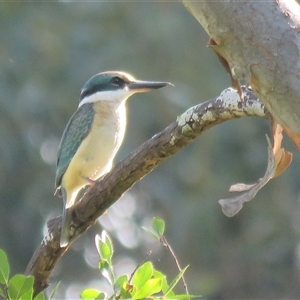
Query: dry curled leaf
pixel 283 158
pixel 231 206
pixel 278 161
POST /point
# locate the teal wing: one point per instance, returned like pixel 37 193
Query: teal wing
pixel 75 132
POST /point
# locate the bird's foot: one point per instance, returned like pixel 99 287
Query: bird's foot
pixel 92 182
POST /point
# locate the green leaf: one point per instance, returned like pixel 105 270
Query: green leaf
pixel 152 286
pixel 164 285
pixel 101 296
pixel 142 275
pixel 108 242
pixel 105 251
pixel 20 286
pixel 151 232
pixel 103 265
pixel 53 293
pixel 4 267
pixel 120 281
pixel 104 246
pixel 27 295
pixel 158 225
pixel 40 296
pixel 90 294
pixel 122 286
pixel 175 281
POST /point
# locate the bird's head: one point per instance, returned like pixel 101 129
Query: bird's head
pixel 115 86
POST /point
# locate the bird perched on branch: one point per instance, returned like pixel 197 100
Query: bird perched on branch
pixel 93 135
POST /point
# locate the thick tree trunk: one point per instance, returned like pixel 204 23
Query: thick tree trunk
pixel 261 42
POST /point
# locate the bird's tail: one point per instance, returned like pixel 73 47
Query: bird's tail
pixel 65 227
pixel 66 221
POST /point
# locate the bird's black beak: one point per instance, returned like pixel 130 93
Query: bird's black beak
pixel 140 86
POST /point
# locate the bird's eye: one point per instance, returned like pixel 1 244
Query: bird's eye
pixel 117 81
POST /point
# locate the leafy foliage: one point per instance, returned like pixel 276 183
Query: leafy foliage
pixel 145 282
pixel 18 287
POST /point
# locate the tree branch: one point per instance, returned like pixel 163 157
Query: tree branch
pixel 107 191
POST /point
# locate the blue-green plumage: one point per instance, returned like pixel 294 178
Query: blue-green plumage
pixel 109 81
pixel 76 130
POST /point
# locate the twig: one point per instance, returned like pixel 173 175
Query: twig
pixel 147 255
pixel 167 245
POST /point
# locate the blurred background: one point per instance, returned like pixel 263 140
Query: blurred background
pixel 47 52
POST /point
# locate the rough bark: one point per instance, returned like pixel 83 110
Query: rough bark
pixel 260 40
pixel 105 192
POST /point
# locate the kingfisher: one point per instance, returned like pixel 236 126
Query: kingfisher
pixel 93 135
